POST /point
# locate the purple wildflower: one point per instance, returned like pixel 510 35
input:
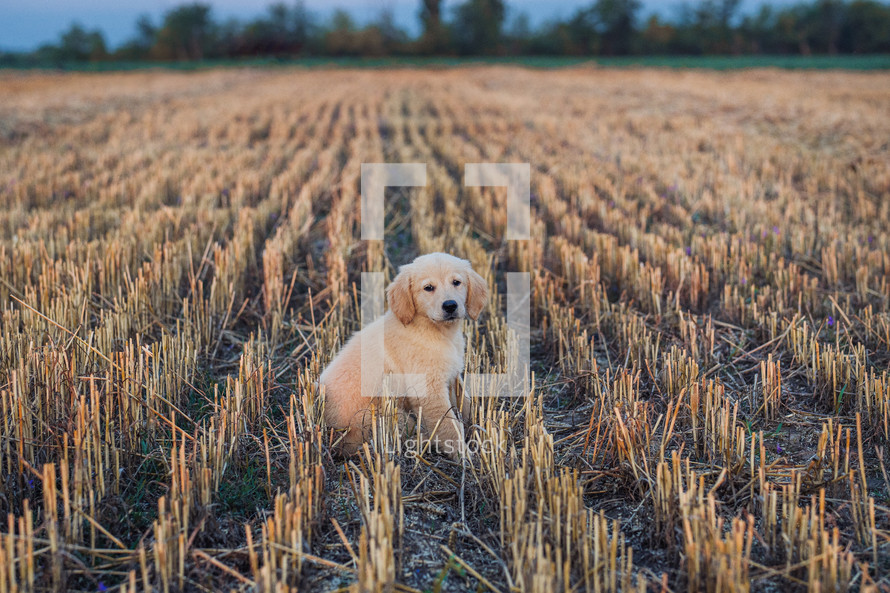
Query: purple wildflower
pixel 870 239
pixel 102 586
pixel 776 230
pixel 688 250
pixel 744 281
pixel 830 321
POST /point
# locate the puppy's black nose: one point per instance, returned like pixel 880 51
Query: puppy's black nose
pixel 449 306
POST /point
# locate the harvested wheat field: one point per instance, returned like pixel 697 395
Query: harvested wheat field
pixel 181 254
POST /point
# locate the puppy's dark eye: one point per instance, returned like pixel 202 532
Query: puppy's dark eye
pixel 429 288
pixel 456 282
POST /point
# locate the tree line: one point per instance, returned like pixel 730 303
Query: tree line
pixel 485 28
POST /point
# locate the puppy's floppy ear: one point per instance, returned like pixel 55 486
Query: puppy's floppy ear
pixel 401 297
pixel 477 293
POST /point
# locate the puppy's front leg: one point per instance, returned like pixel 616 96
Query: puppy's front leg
pixel 438 414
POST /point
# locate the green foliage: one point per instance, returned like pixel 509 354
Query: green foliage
pixel 345 39
pixel 283 30
pixel 477 27
pixel 76 44
pixel 615 22
pixel 434 39
pixel 866 28
pixel 866 62
pixel 186 34
pixel 604 28
pixel 243 496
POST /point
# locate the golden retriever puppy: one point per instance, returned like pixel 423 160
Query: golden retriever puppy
pixel 423 347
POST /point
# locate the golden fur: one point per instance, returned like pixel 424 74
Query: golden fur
pixel 421 338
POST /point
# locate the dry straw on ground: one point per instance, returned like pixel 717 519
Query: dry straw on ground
pixel 710 411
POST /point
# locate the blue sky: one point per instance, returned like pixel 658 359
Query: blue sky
pixel 25 24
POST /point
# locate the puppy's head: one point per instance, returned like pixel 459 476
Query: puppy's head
pixel 438 286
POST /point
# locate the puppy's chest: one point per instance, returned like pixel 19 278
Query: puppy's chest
pixel 442 357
